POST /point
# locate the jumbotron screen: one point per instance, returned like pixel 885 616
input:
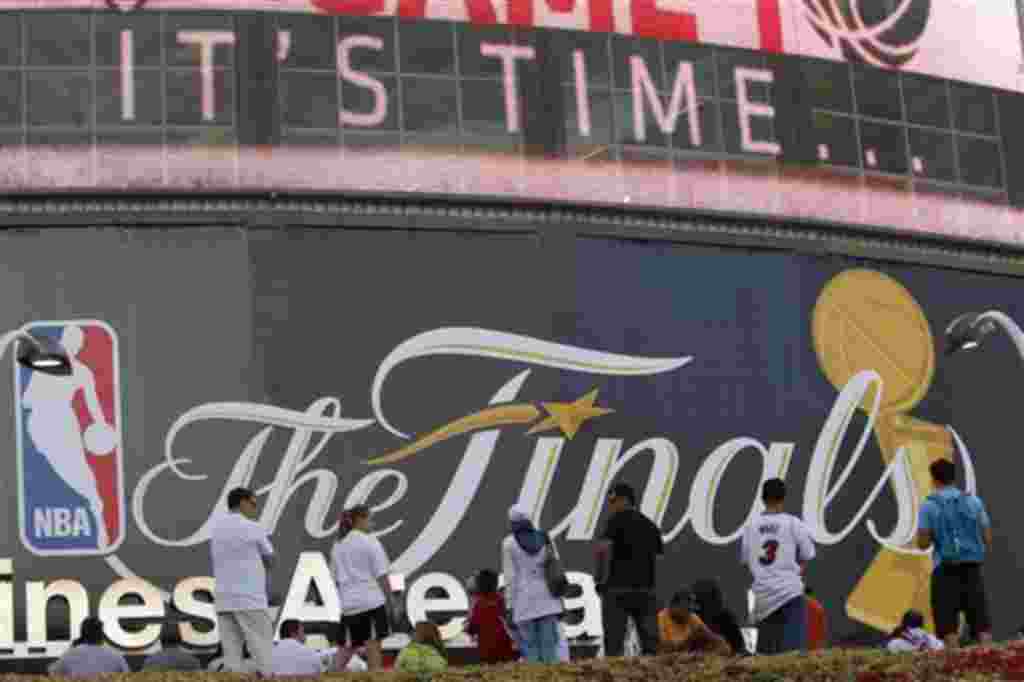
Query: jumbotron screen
pixel 892 113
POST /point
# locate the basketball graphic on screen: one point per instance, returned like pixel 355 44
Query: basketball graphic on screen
pixel 865 320
pixel 872 32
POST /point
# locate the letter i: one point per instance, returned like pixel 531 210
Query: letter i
pixel 582 95
pixel 127 76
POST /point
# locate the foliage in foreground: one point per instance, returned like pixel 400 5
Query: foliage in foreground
pixel 976 664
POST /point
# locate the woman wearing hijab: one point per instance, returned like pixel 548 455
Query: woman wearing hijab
pixel 535 610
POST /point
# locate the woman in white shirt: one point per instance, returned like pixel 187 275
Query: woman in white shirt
pixel 360 569
pixel 535 610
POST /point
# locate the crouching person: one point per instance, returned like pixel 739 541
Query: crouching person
pixel 425 655
pixel 89 657
pixel 681 630
pixel 911 636
pixel 291 656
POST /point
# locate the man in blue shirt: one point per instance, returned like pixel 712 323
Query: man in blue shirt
pixel 958 529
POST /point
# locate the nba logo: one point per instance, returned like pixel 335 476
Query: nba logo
pixel 70 457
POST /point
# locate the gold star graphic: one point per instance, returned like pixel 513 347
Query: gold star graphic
pixel 569 417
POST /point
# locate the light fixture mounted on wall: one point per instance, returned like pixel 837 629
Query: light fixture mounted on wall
pixel 38 353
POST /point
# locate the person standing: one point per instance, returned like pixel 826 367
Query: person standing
pixel 242 557
pixel 776 547
pixel 957 527
pixel 360 567
pixel 535 611
pixel 487 621
pixel 626 557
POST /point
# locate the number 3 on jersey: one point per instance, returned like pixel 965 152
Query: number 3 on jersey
pixel 768 551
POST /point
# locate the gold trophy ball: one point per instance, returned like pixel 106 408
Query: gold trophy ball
pixel 866 320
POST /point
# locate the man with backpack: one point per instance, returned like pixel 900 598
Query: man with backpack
pixel 958 529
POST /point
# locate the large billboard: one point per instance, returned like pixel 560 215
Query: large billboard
pixel 442 377
pixel 924 36
pixel 870 114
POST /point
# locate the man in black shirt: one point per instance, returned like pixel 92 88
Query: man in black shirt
pixel 626 556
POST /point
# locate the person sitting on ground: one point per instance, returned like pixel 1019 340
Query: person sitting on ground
pixel 291 656
pixel 91 657
pixel 711 609
pixel 817 625
pixel 487 621
pixel 681 630
pixel 425 654
pixel 171 657
pixel 911 636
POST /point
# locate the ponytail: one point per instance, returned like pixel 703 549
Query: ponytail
pixel 348 519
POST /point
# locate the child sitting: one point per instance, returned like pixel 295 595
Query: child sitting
pixel 911 636
pixel 425 654
pixel 681 630
pixel 487 621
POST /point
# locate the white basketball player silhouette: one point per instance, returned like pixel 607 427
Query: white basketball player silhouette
pixel 54 428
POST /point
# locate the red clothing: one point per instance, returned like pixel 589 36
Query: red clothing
pixel 487 624
pixel 817 629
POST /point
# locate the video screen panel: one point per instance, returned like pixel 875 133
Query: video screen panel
pixel 222 96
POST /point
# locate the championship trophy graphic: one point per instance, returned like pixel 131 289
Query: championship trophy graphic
pixel 865 320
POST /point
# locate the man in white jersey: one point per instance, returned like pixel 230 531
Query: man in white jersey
pixel 776 546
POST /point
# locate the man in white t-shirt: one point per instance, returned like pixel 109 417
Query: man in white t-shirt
pixel 291 656
pixel 776 546
pixel 242 554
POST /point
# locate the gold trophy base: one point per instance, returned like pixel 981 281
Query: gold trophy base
pixel 892 585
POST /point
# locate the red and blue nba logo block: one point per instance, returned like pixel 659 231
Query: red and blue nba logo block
pixel 70 457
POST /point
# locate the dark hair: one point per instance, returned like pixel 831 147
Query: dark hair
pixel 486 581
pixel 92 631
pixel 428 633
pixel 911 620
pixel 290 628
pixel 708 597
pixel 774 490
pixel 943 471
pixel 625 491
pixel 349 517
pixel 237 496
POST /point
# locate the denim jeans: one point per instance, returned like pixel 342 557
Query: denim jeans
pixel 539 638
pixel 784 629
